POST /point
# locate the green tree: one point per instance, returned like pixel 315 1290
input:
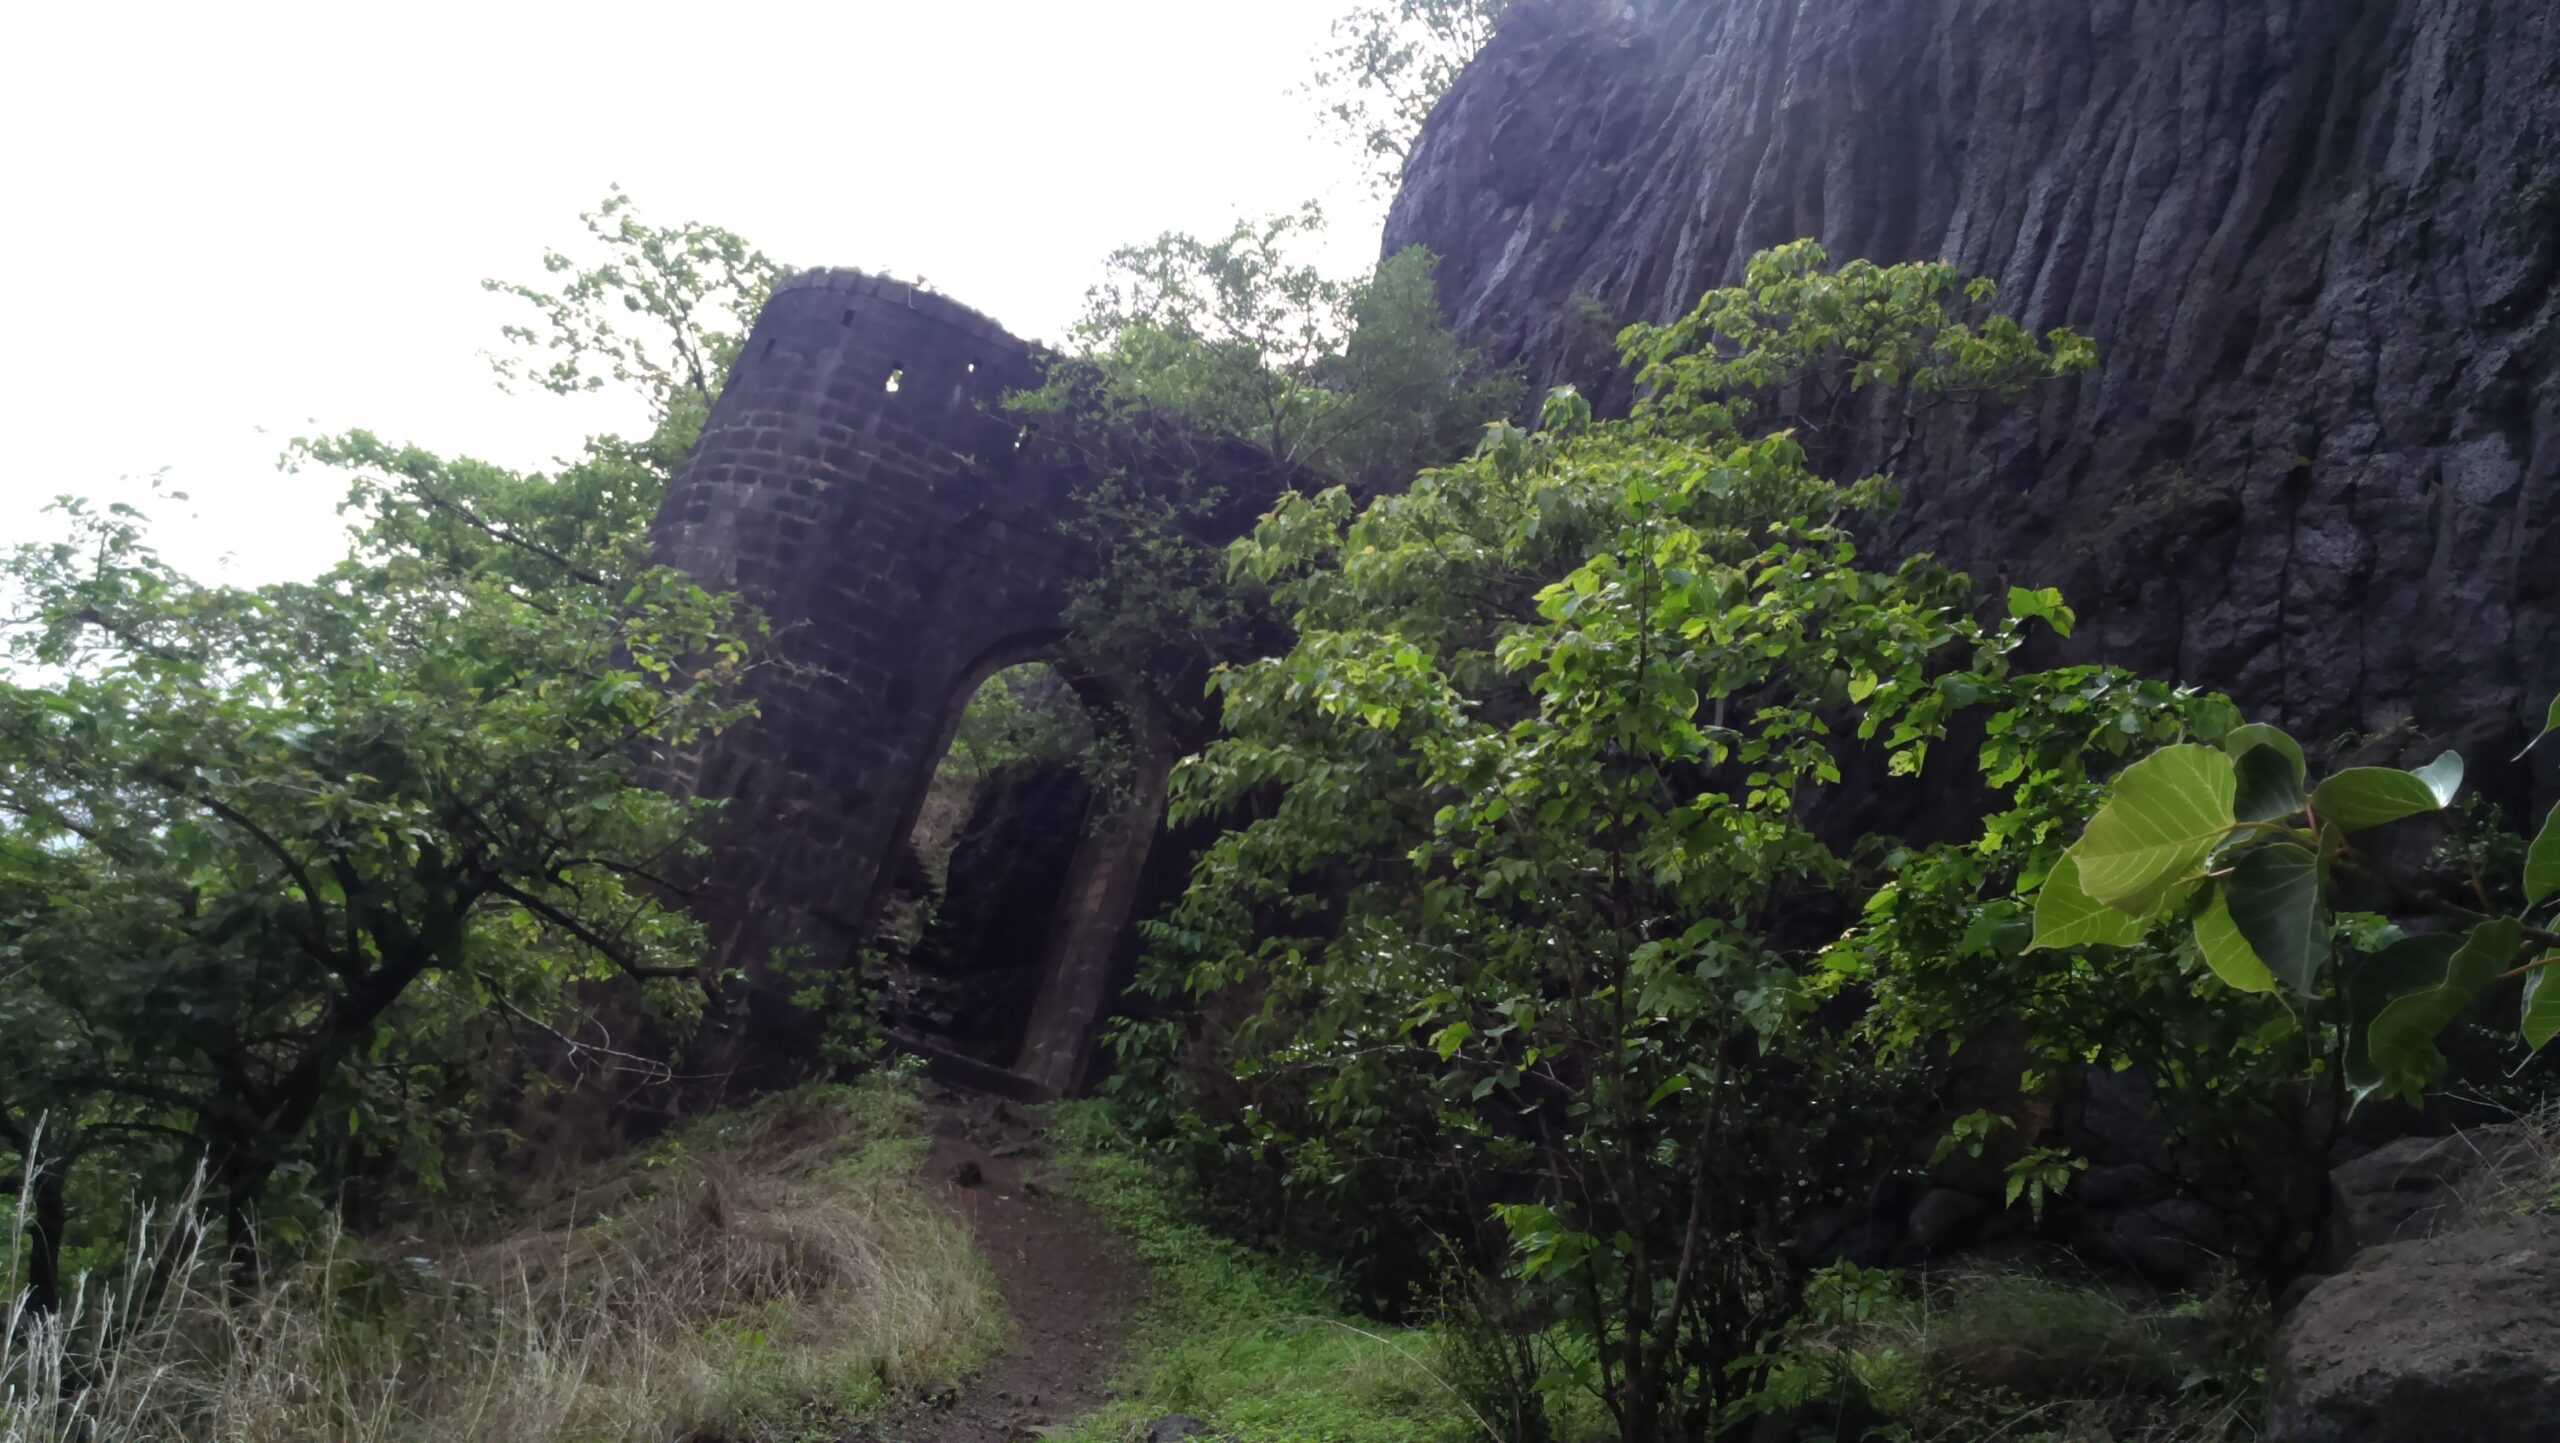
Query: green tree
pixel 1189 343
pixel 255 834
pixel 656 312
pixel 1360 380
pixel 273 862
pixel 1388 65
pixel 1535 887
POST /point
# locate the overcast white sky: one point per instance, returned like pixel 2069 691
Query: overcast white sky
pixel 225 225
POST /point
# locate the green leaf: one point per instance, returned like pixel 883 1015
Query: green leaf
pixel 2067 916
pixel 2411 996
pixel 2362 797
pixel 2045 604
pixel 2165 814
pixel 2227 952
pixel 2270 785
pixel 2542 861
pixel 2541 1004
pixel 2274 898
pixel 2244 740
pixel 1453 1037
pixel 2550 724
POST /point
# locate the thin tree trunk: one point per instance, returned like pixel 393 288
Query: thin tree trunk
pixel 47 1188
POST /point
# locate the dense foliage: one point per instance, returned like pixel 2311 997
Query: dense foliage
pixel 277 865
pixel 1189 342
pixel 2248 857
pixel 1535 898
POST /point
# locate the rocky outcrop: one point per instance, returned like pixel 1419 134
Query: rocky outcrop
pixel 2448 1337
pixel 2315 240
pixel 2417 1187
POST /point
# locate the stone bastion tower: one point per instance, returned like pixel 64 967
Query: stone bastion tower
pixel 860 483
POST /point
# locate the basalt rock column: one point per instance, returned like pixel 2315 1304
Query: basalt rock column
pixel 2317 243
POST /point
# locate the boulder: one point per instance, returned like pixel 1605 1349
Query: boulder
pixel 2413 1188
pixel 2452 1337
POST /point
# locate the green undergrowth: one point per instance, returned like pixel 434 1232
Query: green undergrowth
pixel 1261 1349
pixel 1877 1359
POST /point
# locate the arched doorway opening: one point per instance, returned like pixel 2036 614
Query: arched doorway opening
pixel 998 920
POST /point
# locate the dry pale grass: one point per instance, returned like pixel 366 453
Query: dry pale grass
pixel 761 1278
pixel 2520 1172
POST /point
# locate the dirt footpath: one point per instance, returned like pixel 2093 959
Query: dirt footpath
pixel 1068 1289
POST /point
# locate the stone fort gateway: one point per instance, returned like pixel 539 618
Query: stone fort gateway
pixel 860 482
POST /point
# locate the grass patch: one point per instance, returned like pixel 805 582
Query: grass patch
pixel 761 1277
pixel 1262 1351
pixel 2024 1358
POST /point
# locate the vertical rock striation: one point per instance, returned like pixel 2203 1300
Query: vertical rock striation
pixel 2315 240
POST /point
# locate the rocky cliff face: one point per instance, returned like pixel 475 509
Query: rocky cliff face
pixel 2315 240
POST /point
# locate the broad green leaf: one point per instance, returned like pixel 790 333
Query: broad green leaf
pixel 2542 861
pixel 2443 776
pixel 2215 720
pixel 2362 797
pixel 2550 724
pixel 1452 1037
pixel 2270 785
pixel 2067 916
pixel 2244 740
pixel 2403 967
pixel 2274 899
pixel 2045 604
pixel 2227 952
pixel 2163 816
pixel 2392 1048
pixel 2542 1003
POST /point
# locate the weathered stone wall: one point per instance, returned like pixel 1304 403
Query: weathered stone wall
pixel 903 540
pixel 2315 240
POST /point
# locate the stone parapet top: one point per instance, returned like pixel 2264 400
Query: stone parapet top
pixel 934 306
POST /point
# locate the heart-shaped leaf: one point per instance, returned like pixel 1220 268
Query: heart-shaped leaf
pixel 2274 899
pixel 2163 816
pixel 2392 1048
pixel 2550 724
pixel 2542 861
pixel 2246 739
pixel 2362 797
pixel 2542 1004
pixel 2067 916
pixel 2270 786
pixel 2226 951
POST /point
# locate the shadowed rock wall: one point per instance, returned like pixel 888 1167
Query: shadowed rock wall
pixel 2315 241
